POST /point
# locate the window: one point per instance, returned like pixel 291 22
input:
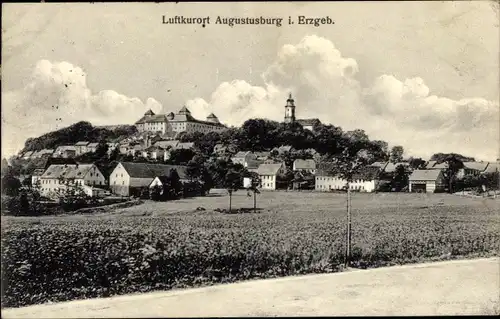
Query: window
pixel 123 182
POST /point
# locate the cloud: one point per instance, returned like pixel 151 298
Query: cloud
pixel 57 96
pixel 324 84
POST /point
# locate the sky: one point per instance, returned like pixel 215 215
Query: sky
pixel 424 75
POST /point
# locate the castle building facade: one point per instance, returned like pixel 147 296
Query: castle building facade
pixel 182 121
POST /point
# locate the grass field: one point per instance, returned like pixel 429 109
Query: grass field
pixel 164 245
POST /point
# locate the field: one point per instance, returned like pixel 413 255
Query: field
pixel 172 245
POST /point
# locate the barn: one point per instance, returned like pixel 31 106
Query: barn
pixel 426 181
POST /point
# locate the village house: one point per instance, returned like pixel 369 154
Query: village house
pixel 81 147
pixel 391 167
pixel 243 158
pixel 43 153
pixel 262 156
pixel 35 176
pixel 92 147
pixel 65 151
pixel 366 180
pixel 268 174
pixel 426 181
pixel 27 155
pixel 492 168
pixel 472 169
pixel 128 179
pixel 307 165
pixel 58 177
pixel 435 165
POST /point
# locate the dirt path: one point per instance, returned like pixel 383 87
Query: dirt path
pixel 441 288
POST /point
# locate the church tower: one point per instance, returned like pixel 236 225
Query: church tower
pixel 290 110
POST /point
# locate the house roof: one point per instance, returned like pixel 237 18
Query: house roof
pixel 253 163
pixel 157 118
pixel 430 164
pixel 381 165
pixel 241 154
pixel 28 154
pixel 67 171
pixel 149 112
pixel 262 154
pixel 492 167
pixel 478 166
pixel 424 175
pixel 308 121
pixel 81 143
pixel 368 173
pixel 185 145
pixel 211 116
pixel 304 164
pixel 391 167
pixel 147 170
pixel 283 148
pixel 166 144
pixel 163 179
pixel 64 148
pixel 269 169
pixel 325 169
pixel 92 144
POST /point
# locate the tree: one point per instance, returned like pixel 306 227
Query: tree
pixel 454 165
pixel 396 154
pixel 232 183
pixel 400 179
pixel 10 185
pixel 102 149
pixel 180 156
pixel 416 163
pixel 255 183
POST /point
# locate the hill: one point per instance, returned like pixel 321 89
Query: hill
pixel 81 131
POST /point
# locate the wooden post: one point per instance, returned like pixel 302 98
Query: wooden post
pixel 348 243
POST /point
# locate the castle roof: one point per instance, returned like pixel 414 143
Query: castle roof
pixel 158 118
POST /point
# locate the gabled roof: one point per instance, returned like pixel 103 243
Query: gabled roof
pixel 149 112
pixel 269 169
pixel 381 165
pixel 166 144
pixel 147 170
pixel 185 145
pixel 304 164
pixel 430 164
pixel 158 118
pixel 82 143
pixel 184 110
pixel 492 167
pixel 92 144
pixel 325 169
pixel 211 116
pixel 27 154
pixel 67 171
pixel 241 154
pixel 391 167
pixel 368 173
pixel 253 163
pixel 425 175
pixel 478 166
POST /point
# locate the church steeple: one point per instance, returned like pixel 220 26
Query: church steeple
pixel 290 110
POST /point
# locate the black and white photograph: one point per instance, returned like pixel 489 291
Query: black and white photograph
pixel 250 159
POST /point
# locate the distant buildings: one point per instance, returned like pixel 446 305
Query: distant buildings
pixel 130 178
pixel 290 116
pixel 182 121
pixel 307 165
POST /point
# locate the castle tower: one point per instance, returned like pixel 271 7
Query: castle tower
pixel 290 110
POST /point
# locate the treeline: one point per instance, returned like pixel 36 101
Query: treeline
pixel 81 131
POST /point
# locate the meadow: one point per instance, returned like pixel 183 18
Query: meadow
pixel 185 243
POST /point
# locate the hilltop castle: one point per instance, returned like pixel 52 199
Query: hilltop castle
pixel 290 115
pixel 182 121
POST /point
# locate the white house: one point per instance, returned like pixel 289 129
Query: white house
pixel 307 165
pixel 92 147
pixel 243 158
pixel 428 181
pixel 59 177
pixel 65 151
pixel 268 174
pixel 472 169
pixel 81 147
pixel 130 178
pixel 365 181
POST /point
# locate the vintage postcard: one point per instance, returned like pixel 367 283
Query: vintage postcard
pixel 250 159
